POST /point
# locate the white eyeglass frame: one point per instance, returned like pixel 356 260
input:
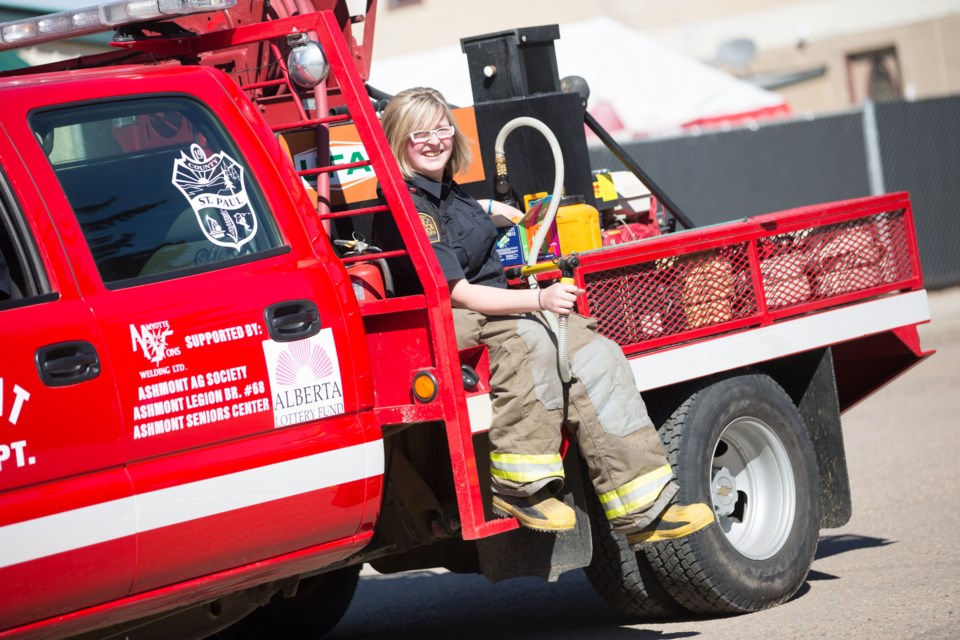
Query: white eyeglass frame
pixel 429 133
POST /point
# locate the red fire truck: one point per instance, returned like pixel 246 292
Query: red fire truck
pixel 214 409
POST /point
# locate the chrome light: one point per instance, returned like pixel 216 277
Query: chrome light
pixel 307 63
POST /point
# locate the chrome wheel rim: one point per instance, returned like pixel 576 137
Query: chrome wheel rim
pixel 753 488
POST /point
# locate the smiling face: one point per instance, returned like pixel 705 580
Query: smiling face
pixel 430 158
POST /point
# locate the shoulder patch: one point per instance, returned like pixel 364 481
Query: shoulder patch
pixel 430 226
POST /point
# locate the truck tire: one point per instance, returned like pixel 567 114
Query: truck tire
pixel 738 443
pixel 320 603
pixel 624 579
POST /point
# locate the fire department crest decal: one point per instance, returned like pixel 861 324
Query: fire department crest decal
pixel 430 226
pixel 213 185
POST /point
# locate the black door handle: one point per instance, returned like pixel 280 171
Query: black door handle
pixel 292 320
pixel 66 363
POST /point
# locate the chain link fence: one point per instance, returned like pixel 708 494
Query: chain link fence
pixel 905 146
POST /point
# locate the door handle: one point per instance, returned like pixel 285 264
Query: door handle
pixel 66 363
pixel 292 320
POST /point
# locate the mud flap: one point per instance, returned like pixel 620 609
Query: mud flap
pixel 810 380
pixel 523 552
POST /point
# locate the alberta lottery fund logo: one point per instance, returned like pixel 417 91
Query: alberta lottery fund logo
pixel 305 379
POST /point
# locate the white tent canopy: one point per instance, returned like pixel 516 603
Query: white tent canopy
pixel 649 87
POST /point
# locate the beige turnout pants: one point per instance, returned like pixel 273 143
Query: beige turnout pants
pixel 600 407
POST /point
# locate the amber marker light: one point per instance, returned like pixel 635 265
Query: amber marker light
pixel 424 386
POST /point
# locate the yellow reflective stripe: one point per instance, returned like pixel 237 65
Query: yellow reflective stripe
pixel 636 483
pixel 525 476
pixel 520 467
pixel 636 494
pixel 628 507
pixel 520 458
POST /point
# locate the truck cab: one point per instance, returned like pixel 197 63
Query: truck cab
pixel 180 360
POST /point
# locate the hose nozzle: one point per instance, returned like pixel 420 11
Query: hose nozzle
pixel 567 264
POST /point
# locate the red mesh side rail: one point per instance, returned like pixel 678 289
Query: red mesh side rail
pixel 702 283
pixel 821 263
pixel 658 300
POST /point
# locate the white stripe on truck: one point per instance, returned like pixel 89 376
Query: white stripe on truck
pixel 750 346
pixel 70 530
pixel 781 339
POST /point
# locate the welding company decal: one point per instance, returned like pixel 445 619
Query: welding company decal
pixel 305 381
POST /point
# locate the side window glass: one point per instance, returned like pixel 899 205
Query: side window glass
pixel 157 186
pixel 22 276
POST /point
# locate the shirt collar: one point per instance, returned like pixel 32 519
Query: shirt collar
pixel 436 189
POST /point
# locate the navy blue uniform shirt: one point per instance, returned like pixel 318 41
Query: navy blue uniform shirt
pixel 463 236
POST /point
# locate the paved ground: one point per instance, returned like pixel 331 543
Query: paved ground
pixel 893 572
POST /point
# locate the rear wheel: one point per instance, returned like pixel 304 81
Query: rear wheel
pixel 624 579
pixel 740 445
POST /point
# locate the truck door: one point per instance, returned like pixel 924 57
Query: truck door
pixel 66 512
pixel 240 425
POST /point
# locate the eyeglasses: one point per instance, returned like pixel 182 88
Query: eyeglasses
pixel 442 133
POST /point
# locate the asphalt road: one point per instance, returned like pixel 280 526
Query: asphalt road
pixel 892 572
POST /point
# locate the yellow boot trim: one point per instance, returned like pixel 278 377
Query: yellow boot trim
pixel 676 522
pixel 538 512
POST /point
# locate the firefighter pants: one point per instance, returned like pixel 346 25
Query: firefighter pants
pixel 600 407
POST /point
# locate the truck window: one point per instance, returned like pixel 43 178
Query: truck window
pixel 21 273
pixel 158 187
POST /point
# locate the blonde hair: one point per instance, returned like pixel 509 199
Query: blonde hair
pixel 416 109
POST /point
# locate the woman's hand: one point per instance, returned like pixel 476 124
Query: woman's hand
pixel 497 208
pixel 559 298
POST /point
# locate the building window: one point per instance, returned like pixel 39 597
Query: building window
pixel 874 75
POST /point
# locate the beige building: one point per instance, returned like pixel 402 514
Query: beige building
pixel 821 55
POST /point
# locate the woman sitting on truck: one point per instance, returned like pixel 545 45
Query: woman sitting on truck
pixel 600 405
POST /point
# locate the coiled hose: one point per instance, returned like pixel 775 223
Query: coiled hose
pixel 557 324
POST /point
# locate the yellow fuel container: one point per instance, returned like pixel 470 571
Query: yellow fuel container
pixel 578 225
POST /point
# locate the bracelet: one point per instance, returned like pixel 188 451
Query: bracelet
pixel 489 205
pixel 539 303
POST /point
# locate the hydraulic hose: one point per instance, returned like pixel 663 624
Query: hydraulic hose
pixel 557 324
